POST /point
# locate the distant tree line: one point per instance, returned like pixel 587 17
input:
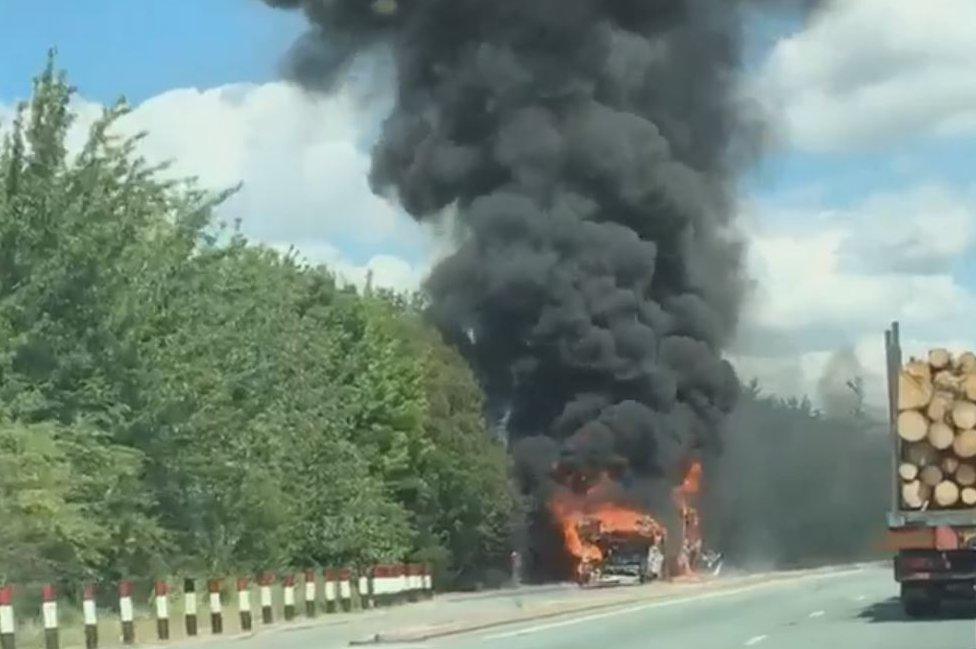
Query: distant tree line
pixel 175 399
pixel 798 486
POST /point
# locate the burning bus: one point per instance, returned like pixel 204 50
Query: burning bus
pixel 613 542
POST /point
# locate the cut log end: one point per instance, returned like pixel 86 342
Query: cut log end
pixel 969 385
pixel 931 475
pixel 940 358
pixel 965 444
pixel 966 474
pixel 964 414
pixel 941 435
pixel 912 426
pixel 968 496
pixel 939 406
pixel 908 471
pixel 913 391
pixel 966 363
pixel 915 494
pixel 946 493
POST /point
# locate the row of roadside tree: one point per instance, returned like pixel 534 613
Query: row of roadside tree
pixel 175 399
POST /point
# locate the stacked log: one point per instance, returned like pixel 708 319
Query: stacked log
pixel 936 422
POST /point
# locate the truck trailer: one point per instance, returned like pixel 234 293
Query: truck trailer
pixel 934 542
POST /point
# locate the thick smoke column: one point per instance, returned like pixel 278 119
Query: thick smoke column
pixel 587 146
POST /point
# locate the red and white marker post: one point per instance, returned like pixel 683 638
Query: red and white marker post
pixel 365 596
pixel 402 581
pixel 288 594
pixel 267 614
pixel 428 578
pixel 216 613
pixel 126 612
pixel 8 631
pixel 190 606
pixel 345 589
pixel 413 582
pixel 331 587
pixel 244 603
pixel 49 613
pixel 310 593
pixel 162 610
pixel 89 613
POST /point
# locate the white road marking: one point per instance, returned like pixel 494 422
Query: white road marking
pixel 652 605
pixel 755 640
pixel 817 614
pixel 861 598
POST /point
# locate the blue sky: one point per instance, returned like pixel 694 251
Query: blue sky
pixel 142 47
pixel 862 210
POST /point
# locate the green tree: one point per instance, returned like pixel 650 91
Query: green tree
pixel 176 399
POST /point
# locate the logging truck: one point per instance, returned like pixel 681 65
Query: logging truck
pixel 932 521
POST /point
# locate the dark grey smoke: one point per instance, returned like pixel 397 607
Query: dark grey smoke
pixel 798 487
pixel 587 146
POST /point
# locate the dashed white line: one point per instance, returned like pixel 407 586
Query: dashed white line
pixel 755 640
pixel 817 614
pixel 659 604
pixel 861 598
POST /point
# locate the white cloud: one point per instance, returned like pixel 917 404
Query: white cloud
pixel 833 279
pixel 303 159
pixel 922 229
pixel 388 271
pixel 865 72
pixel 297 153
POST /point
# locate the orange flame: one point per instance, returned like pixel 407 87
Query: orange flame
pixel 585 522
pixel 690 522
pixel 692 482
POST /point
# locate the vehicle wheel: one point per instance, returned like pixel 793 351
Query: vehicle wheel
pixel 919 601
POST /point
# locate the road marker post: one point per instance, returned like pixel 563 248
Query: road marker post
pixel 345 589
pixel 310 593
pixel 365 596
pixel 416 582
pixel 8 630
pixel 190 606
pixel 90 616
pixel 244 603
pixel 126 613
pixel 288 594
pixel 330 587
pixel 49 613
pixel 428 582
pixel 216 613
pixel 402 583
pixel 267 614
pixel 162 610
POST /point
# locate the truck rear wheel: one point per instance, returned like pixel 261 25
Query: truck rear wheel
pixel 919 600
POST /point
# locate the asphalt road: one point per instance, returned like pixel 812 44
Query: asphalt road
pixel 855 609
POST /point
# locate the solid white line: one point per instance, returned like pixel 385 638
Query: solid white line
pixel 644 607
pixel 817 614
pixel 755 640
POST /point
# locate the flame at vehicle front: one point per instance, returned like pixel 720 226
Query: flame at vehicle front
pixel 587 519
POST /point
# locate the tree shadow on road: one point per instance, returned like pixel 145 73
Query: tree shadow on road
pixel 890 610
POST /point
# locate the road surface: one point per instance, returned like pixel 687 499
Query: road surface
pixel 854 608
pixel 851 609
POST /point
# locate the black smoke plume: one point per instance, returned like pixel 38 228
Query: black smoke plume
pixel 589 150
